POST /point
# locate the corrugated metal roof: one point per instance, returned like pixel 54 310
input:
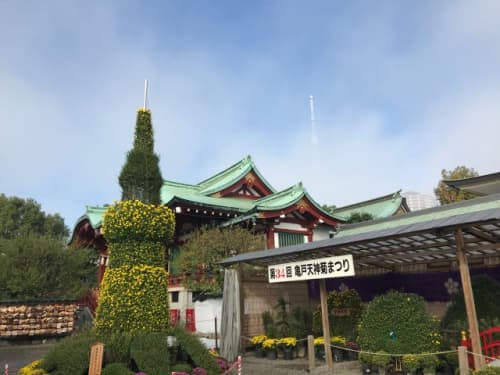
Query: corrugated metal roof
pixel 422 237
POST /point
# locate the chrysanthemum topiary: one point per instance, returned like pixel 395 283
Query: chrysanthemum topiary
pixel 133 299
pixel 137 221
pixel 398 323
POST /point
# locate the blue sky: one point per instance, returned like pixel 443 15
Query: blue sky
pixel 402 89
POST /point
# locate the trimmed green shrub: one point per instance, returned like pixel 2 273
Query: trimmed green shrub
pixel 490 370
pixel 198 353
pixel 398 323
pixel 116 369
pixel 71 355
pixel 136 252
pixel 182 367
pixel 117 347
pixel 486 297
pixel 133 299
pixel 344 313
pixel 137 221
pixel 150 353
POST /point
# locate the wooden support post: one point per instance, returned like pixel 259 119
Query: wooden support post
pixel 463 364
pixel 325 322
pixel 470 306
pixel 310 352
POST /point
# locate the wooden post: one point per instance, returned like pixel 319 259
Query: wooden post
pixel 325 322
pixel 96 354
pixel 470 306
pixel 310 352
pixel 463 364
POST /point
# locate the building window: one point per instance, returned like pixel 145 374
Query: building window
pixel 174 297
pixel 289 239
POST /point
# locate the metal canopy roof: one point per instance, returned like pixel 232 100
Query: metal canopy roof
pixel 414 242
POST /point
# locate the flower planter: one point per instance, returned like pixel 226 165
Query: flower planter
pixel 271 354
pixel 260 352
pixel 288 353
pixel 338 354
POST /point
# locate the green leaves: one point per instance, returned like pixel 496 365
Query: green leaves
pixel 206 247
pixel 447 194
pixel 21 217
pixel 38 268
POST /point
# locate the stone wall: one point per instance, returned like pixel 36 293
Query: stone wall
pixel 36 320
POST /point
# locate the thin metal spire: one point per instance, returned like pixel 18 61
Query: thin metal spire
pixel 145 94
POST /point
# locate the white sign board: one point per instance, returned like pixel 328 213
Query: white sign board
pixel 320 268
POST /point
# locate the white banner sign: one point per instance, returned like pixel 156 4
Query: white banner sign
pixel 321 268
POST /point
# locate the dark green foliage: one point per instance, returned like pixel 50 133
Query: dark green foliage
pixel 116 369
pixel 140 177
pixel 283 323
pixel 196 350
pixel 41 268
pixel 136 252
pixel 398 323
pixel 150 353
pixel 70 356
pixel 357 217
pixel 486 297
pixel 490 370
pixel 182 367
pixel 117 347
pixel 217 244
pixel 345 309
pixel 21 217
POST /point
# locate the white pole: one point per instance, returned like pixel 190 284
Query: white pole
pixel 145 94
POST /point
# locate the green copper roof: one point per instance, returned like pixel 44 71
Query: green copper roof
pixel 481 185
pixel 378 208
pixel 417 217
pixel 94 215
pixel 230 176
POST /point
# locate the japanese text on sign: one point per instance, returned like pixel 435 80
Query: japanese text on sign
pixel 321 268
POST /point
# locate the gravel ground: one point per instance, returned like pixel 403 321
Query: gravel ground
pixel 18 356
pixel 262 366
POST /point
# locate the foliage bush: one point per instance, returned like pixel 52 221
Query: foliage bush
pixel 134 220
pixel 71 355
pixel 398 323
pixel 150 353
pixel 489 370
pixel 49 269
pixel 217 244
pixel 282 323
pixel 133 299
pixel 116 369
pixel 117 347
pixel 196 350
pixel 341 325
pixel 486 297
pixel 182 367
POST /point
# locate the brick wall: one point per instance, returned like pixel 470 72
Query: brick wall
pixel 32 320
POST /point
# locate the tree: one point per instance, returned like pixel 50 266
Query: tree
pixel 134 290
pixel 140 177
pixel 198 258
pixel 447 194
pixel 37 268
pixel 328 208
pixel 357 217
pixel 21 217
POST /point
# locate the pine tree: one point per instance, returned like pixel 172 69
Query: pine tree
pixel 140 177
